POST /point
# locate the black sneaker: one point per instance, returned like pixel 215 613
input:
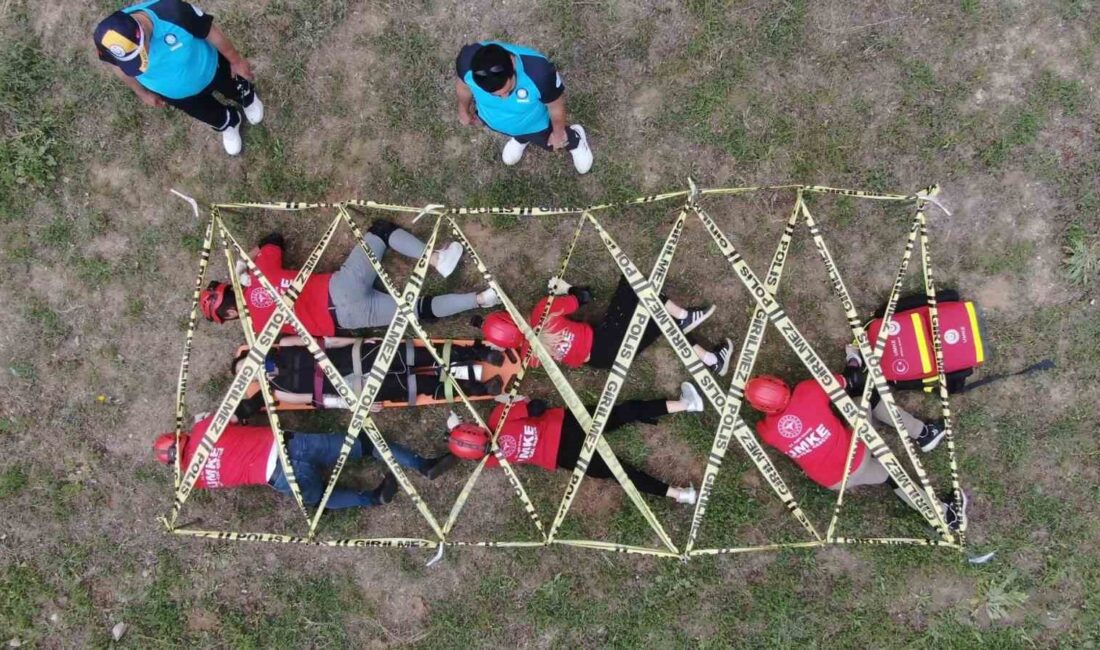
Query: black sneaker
pixel 695 317
pixel 489 355
pixel 931 435
pixel 724 354
pixel 386 490
pixel 952 514
pixel 439 466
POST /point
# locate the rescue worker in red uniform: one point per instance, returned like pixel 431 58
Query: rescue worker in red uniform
pixel 803 425
pixel 575 343
pixel 246 455
pixel 332 303
pixel 551 438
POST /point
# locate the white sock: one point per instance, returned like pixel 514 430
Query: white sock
pixel 710 359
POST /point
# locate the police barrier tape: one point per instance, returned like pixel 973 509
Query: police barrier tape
pixel 649 307
pixel 405 307
pixel 813 362
pixel 359 404
pixel 616 377
pixel 245 376
pixel 945 401
pixel 265 388
pixel 189 337
pixel 572 400
pixel 544 318
pixel 876 378
pixel 729 416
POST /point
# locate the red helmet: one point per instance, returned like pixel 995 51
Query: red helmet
pixel 500 330
pixel 767 394
pixel 165 447
pixel 469 441
pixel 211 298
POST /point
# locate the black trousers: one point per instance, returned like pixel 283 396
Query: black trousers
pixel 572 439
pixel 205 107
pixel 609 332
pixel 542 138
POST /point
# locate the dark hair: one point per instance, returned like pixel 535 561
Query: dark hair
pixel 237 359
pixel 492 67
pixel 228 302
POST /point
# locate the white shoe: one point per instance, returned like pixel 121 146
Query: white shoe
pixel 231 140
pixel 513 151
pixel 488 298
pixel 690 397
pixel 449 256
pixel 723 355
pixel 463 372
pixel 254 112
pixel 687 495
pixel 582 155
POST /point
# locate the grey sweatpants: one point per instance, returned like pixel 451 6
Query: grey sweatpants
pixel 359 305
pixel 870 471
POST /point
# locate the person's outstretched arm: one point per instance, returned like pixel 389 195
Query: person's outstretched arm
pixel 238 65
pixel 147 97
pixel 467 114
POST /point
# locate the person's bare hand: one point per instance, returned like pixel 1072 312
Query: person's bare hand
pixel 152 99
pixel 558 139
pixel 241 68
pixel 468 119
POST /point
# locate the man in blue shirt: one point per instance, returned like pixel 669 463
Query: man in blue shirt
pixel 171 53
pixel 516 91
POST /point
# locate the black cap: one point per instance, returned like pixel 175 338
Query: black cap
pixel 492 67
pixel 120 41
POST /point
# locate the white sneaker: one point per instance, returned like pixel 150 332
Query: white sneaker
pixel 488 298
pixel 449 256
pixel 254 112
pixel 464 373
pixel 582 155
pixel 687 495
pixel 513 151
pixel 693 402
pixel 231 140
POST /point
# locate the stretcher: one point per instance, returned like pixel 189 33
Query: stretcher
pixel 507 371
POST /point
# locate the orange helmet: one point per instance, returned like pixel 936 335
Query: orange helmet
pixel 499 329
pixel 165 447
pixel 767 394
pixel 211 298
pixel 469 441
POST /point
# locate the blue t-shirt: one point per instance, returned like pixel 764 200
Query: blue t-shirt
pixel 523 111
pixel 181 61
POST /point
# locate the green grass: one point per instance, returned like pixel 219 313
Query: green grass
pixel 748 93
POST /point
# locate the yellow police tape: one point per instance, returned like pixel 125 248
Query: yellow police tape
pixel 650 307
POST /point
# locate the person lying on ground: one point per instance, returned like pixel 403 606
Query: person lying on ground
pixel 927 435
pixel 576 343
pixel 246 455
pixel 516 91
pixel 803 425
pixel 296 377
pixel 332 303
pixel 170 53
pixel 552 438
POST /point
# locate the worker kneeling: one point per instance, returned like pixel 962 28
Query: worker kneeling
pixel 552 438
pixel 803 425
pixel 246 455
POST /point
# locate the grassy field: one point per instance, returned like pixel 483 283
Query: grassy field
pixel 995 101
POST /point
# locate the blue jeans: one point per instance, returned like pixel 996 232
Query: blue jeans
pixel 314 454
